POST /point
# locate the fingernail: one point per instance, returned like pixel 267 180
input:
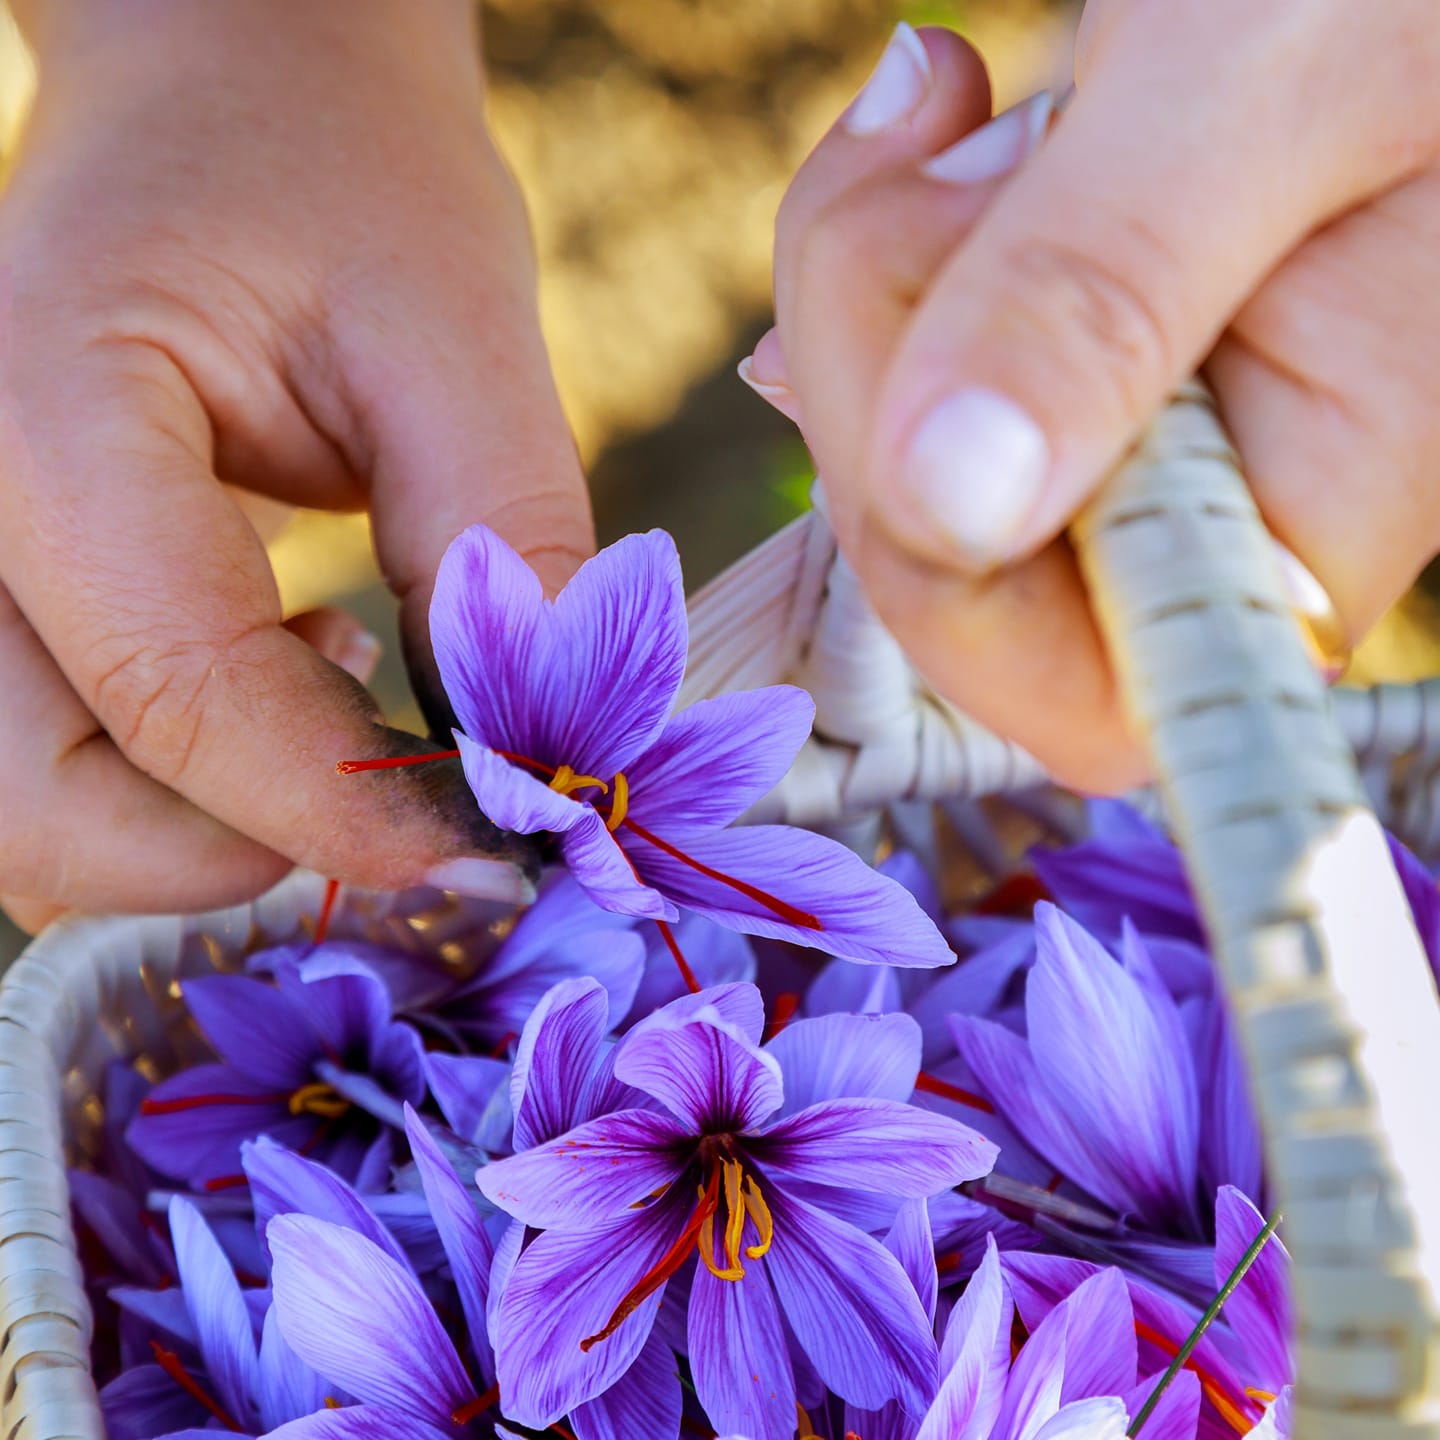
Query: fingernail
pixel 997 147
pixel 780 396
pixel 483 880
pixel 1325 631
pixel 896 86
pixel 359 655
pixel 974 473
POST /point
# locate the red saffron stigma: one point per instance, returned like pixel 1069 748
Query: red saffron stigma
pixel 227 1182
pixel 948 1262
pixel 354 767
pixel 498 1050
pixel 327 909
pixel 169 1362
pixel 1014 895
pixel 673 946
pixel 781 1014
pixel 929 1084
pixel 203 1102
pixel 665 1267
pixel 1231 1410
pixel 790 914
pixel 464 1414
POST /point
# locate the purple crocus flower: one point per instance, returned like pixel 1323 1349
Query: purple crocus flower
pixel 565 727
pixel 222 1357
pixel 1075 1377
pixel 305 1062
pixel 724 1165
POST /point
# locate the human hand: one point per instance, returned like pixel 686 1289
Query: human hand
pixel 269 243
pixel 970 343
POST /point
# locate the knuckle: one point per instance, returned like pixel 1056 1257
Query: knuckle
pixel 151 698
pixel 1105 307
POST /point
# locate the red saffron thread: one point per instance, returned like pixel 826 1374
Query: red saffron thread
pixel 781 1014
pixel 203 1102
pixel 673 945
pixel 227 1182
pixel 464 1414
pixel 665 1267
pixel 169 1362
pixel 1014 895
pixel 354 767
pixel 929 1084
pixel 1231 1410
pixel 327 908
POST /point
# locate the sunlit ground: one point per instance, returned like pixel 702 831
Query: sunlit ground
pixel 654 139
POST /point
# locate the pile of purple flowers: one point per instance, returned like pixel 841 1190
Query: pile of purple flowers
pixel 876 1173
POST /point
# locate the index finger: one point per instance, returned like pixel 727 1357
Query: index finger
pixel 156 599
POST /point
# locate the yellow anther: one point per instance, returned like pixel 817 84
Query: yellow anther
pixel 735 1211
pixel 331 1403
pixel 1265 1396
pixel 705 1244
pixel 566 781
pixel 805 1430
pixel 318 1099
pixel 621 803
pixel 759 1212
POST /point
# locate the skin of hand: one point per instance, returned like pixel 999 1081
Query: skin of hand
pixel 258 249
pixel 973 324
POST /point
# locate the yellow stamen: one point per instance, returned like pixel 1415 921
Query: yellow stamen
pixel 331 1403
pixel 759 1212
pixel 1266 1397
pixel 318 1099
pixel 735 1221
pixel 566 781
pixel 705 1244
pixel 621 803
pixel 806 1430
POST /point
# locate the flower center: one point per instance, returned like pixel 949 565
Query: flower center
pixel 320 1099
pixel 741 1197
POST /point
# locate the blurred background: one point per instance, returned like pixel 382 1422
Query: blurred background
pixel 653 140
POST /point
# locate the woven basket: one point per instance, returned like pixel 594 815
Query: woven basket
pixel 1259 780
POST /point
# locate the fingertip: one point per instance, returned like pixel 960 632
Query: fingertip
pixel 340 638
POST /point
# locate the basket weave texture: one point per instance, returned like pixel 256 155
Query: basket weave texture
pixel 1258 776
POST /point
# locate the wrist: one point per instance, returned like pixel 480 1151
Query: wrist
pixel 145 43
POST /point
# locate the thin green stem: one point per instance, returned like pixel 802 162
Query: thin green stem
pixel 1232 1281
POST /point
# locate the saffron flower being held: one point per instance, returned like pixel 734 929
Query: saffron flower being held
pixel 725 1170
pixel 566 728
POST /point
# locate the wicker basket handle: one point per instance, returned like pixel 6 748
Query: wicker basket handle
pixel 1323 969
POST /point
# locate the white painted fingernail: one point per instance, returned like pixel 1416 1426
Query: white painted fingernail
pixel 996 148
pixel 782 397
pixel 974 472
pixel 359 655
pixel 895 87
pixel 482 879
pixel 1307 594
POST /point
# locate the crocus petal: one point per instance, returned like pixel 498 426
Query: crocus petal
pixel 590 1174
pixel 1260 1310
pixel 359 1319
pixel 1230 1145
pixel 738 1353
pixel 1277 1423
pixel 847 988
pixel 1424 897
pixel 875 1145
pixel 464 1087
pixel 645 1403
pixel 466 1241
pixel 835 1057
pixel 595 858
pixel 739 1004
pixel 1032 1393
pixel 1100 1350
pixel 1178 1412
pixel 716 956
pixel 217 1311
pixel 715 759
pixel 853 1311
pixel 1101 1418
pixel 565 1288
pixel 255 1027
pixel 703 1071
pixel 975 1359
pixel 284 1183
pixel 145 1401
pixel 862 915
pixel 359 1422
pixel 911 1241
pixel 114 1214
pixel 558 1050
pixel 288 1387
pixel 511 796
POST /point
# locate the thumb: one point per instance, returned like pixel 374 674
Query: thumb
pixel 1194 158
